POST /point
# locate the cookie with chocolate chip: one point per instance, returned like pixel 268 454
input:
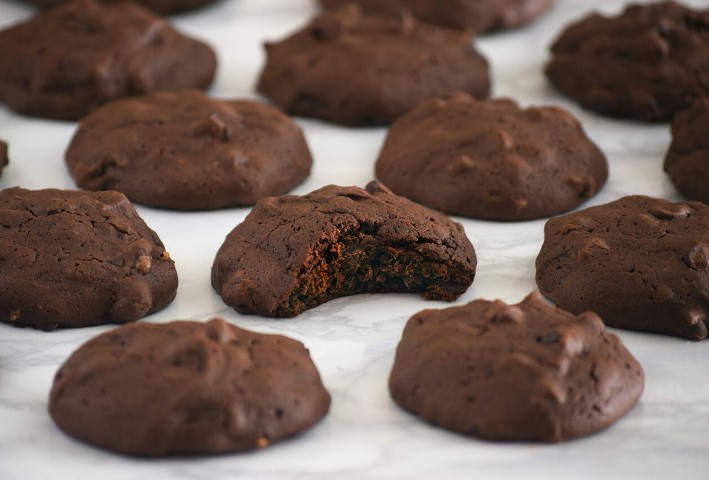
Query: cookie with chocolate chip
pixel 687 160
pixel 63 62
pixel 354 69
pixel 514 372
pixel 293 253
pixel 646 64
pixel 187 388
pixel 77 259
pixel 185 151
pixel 475 15
pixel 641 263
pixel 491 159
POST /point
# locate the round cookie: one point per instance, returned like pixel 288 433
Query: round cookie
pixel 187 388
pixel 514 372
pixel 72 58
pixel 475 15
pixel 160 6
pixel 293 253
pixel 4 159
pixel 77 259
pixel 641 263
pixel 356 70
pixel 687 161
pixel 491 159
pixel 185 151
pixel 647 64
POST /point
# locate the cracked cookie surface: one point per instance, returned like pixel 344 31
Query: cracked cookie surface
pixel 64 62
pixel 77 259
pixel 641 263
pixel 491 159
pixel 514 372
pixel 293 253
pixel 357 70
pixel 187 388
pixel 185 151
pixel 647 64
pixel 476 15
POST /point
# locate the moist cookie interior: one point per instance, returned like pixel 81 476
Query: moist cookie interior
pixel 358 263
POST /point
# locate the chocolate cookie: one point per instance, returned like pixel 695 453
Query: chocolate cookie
pixel 159 6
pixel 72 58
pixel 647 64
pixel 641 263
pixel 476 15
pixel 76 259
pixel 514 372
pixel 185 151
pixel 355 69
pixel 187 388
pixel 687 161
pixel 491 159
pixel 293 253
pixel 4 160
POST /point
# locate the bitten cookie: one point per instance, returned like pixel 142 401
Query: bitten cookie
pixel 514 372
pixel 647 64
pixel 491 159
pixel 159 6
pixel 185 151
pixel 4 159
pixel 77 259
pixel 687 161
pixel 187 388
pixel 476 15
pixel 72 58
pixel 293 253
pixel 641 263
pixel 355 69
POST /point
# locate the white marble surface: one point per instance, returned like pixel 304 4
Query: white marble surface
pixel 352 340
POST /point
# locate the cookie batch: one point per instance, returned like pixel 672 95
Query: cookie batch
pixel 68 60
pixel 350 68
pixel 187 388
pixel 514 372
pixel 648 64
pixel 479 16
pixel 491 159
pixel 184 151
pixel 149 133
pixel 77 259
pixel 293 253
pixel 4 156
